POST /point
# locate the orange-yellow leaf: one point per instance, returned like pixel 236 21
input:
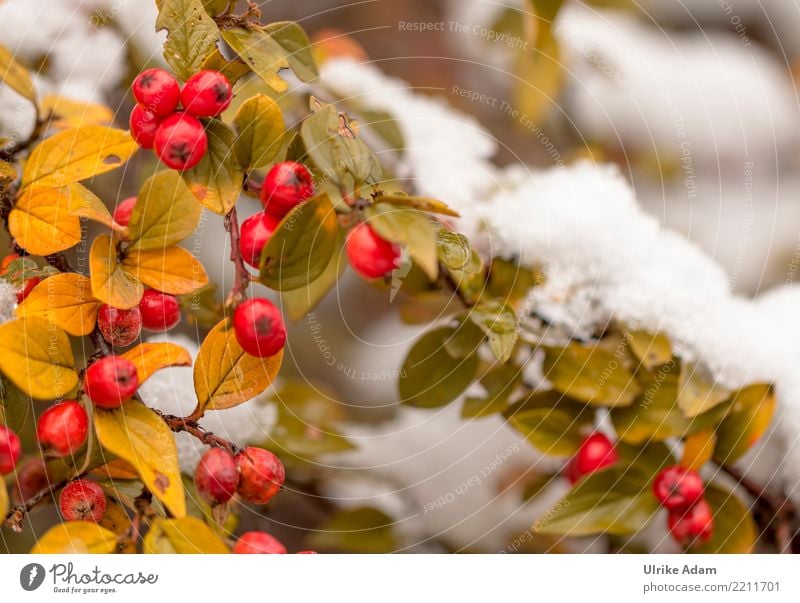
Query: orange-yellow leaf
pixel 150 357
pixel 224 376
pixel 77 154
pixel 85 204
pixel 110 283
pixel 698 449
pixel 42 222
pixel 68 113
pixel 37 358
pixel 172 270
pixel 76 537
pixel 64 300
pixel 138 435
pixel 187 536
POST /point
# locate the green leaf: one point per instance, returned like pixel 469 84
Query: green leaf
pixel 301 247
pixel 749 416
pixel 261 52
pixel 215 7
pixel 735 532
pixel 652 349
pixel 408 227
pixel 499 383
pixel 430 376
pixel 260 131
pixel 551 430
pixel 234 69
pixel 655 414
pixel 295 43
pixel 165 212
pixel 331 141
pixel 16 408
pixel 617 500
pixel 192 35
pixel 301 301
pixel 362 530
pixel 590 374
pixel 217 180
pixel 15 75
pixel 187 536
pixel 699 394
pixel 453 249
pixel 499 322
pixel 510 282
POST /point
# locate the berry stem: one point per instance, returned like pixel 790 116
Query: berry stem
pixel 190 425
pixel 15 516
pixel 242 276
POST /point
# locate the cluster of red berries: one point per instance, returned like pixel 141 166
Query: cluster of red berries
pixel 27 286
pixel 680 491
pixel 177 136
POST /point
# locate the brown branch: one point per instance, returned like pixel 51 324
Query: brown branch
pixel 143 509
pixel 15 516
pixel 242 276
pixel 190 425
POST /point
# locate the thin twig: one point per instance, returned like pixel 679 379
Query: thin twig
pixel 190 425
pixel 241 281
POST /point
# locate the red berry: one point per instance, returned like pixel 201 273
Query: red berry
pixel 694 525
pixel 256 231
pixel 287 184
pixel 369 255
pixel 259 327
pixel 217 476
pixel 160 312
pixel 82 500
pixel 180 141
pixel 595 453
pixel 10 449
pixel 110 381
pixel 7 261
pixel 678 488
pixel 206 94
pixel 119 327
pixel 258 543
pixel 157 90
pixel 32 478
pixel 62 429
pixel 261 475
pixel 26 288
pixel 143 124
pixel 123 211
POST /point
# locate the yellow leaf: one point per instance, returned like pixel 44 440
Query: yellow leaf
pixel 85 204
pixel 165 213
pixel 42 223
pixel 150 357
pixel 77 154
pixel 138 435
pixel 115 519
pixel 76 537
pixel 64 300
pixel 698 449
pixel 224 376
pixel 172 270
pixel 3 500
pixel 37 358
pixel 15 75
pixel 110 283
pixel 188 536
pixel 67 113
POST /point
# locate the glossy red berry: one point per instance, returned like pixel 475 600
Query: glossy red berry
pixel 678 488
pixel 694 525
pixel 82 500
pixel 255 234
pixel 26 288
pixel 160 311
pixel 259 327
pixel 110 381
pixel 119 327
pixel 261 475
pixel 370 255
pixel 258 543
pixel 157 90
pixel 124 210
pixel 287 184
pixel 10 449
pixel 63 428
pixel 143 124
pixel 180 141
pixel 206 94
pixel 217 476
pixel 595 453
pixel 32 478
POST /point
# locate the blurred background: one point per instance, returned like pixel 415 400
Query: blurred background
pixel 694 100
